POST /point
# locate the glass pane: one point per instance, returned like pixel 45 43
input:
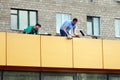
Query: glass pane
pixel 23 20
pixel 58 22
pixel 13 21
pixel 21 76
pixel 64 78
pixel 117 28
pixel 58 77
pixel 50 77
pixel 96 24
pixel 114 77
pixel 83 76
pixel 14 11
pixel 89 27
pixel 0 75
pixel 65 17
pixel 33 18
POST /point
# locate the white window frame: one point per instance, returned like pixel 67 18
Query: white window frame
pixel 28 18
pixel 117 27
pixel 91 29
pixel 60 18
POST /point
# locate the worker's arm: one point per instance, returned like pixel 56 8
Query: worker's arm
pixel 74 32
pixel 65 30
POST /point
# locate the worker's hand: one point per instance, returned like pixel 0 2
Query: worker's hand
pixel 69 37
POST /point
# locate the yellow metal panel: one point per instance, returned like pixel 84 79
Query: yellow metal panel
pixel 111 50
pixel 23 50
pixel 87 53
pixel 2 48
pixel 56 51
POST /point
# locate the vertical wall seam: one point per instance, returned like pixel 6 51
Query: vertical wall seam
pixel 102 55
pixel 72 54
pixel 40 53
pixel 6 48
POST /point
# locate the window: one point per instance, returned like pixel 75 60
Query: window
pixel 114 77
pixel 20 75
pixel 20 19
pixel 90 76
pixel 60 18
pixel 117 27
pixel 10 75
pixel 58 76
pixel 93 25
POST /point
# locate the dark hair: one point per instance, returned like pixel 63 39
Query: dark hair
pixel 75 19
pixel 38 25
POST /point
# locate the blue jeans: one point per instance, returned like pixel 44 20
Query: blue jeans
pixel 62 33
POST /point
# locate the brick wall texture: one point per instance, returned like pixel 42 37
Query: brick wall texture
pixel 107 10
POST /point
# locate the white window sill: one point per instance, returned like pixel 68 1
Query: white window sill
pixel 17 30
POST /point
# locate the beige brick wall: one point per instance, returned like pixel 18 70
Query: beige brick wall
pixel 107 10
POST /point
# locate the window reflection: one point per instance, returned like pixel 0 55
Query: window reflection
pixel 20 76
pixel 83 76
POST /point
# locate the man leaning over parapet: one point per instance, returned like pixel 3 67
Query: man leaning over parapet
pixel 67 26
pixel 32 29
